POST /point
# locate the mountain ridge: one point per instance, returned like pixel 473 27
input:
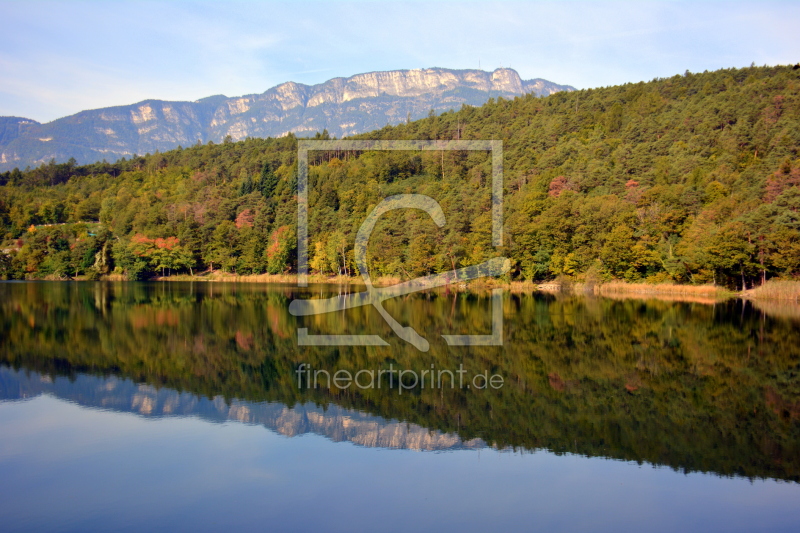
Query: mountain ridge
pixel 343 106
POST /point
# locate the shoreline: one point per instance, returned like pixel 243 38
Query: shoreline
pixel 787 292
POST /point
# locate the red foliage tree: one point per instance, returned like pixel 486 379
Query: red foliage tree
pixel 559 185
pixel 245 219
pixel 787 176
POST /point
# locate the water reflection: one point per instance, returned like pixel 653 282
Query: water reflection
pixel 695 387
pixel 333 422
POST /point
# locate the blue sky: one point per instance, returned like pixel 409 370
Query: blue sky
pixel 57 58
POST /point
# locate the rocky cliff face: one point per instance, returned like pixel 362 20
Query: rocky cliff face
pixel 333 422
pixel 343 106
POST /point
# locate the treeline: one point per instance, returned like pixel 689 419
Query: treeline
pixel 689 179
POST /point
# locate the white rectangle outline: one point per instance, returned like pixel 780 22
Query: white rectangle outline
pixel 306 145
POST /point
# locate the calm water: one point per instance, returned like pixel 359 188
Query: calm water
pixel 179 406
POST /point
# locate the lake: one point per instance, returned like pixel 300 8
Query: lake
pixel 164 406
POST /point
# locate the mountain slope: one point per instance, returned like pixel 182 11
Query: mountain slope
pixel 691 179
pixel 343 106
pixel 12 127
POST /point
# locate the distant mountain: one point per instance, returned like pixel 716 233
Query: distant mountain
pixel 12 127
pixel 343 106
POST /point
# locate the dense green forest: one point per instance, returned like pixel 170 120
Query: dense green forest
pixel 690 179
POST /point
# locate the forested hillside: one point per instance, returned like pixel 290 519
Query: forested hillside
pixel 692 179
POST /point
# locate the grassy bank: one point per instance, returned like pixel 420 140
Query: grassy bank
pixel 788 291
pixel 667 289
pixel 219 275
pixel 776 290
